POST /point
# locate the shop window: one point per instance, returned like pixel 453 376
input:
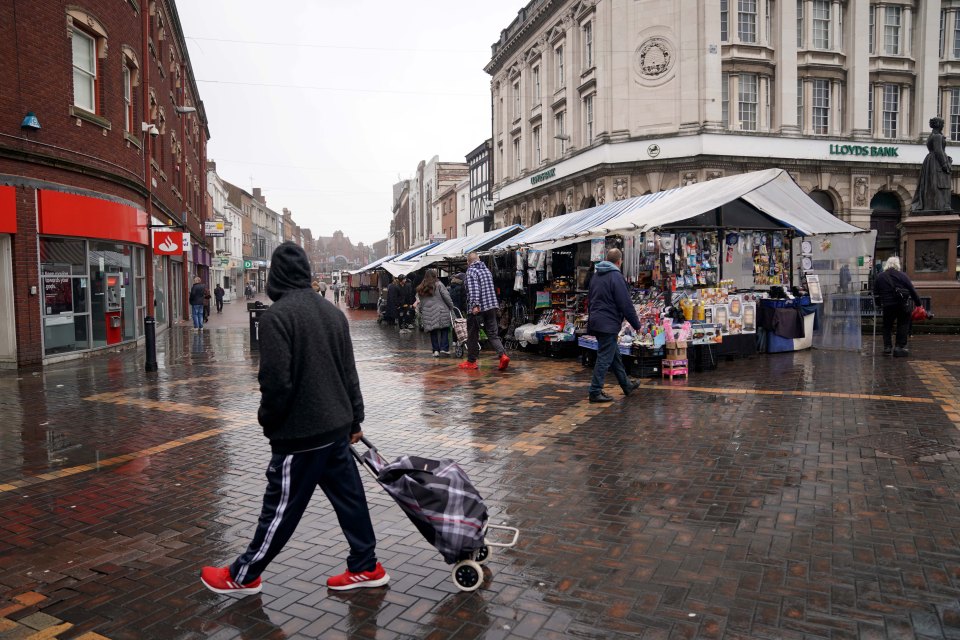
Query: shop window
pixel 112 298
pixel 65 295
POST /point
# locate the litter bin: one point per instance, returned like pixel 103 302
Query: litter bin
pixel 255 309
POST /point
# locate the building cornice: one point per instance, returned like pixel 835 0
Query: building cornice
pixel 531 17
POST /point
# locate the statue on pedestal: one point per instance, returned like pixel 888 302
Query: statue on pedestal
pixel 933 190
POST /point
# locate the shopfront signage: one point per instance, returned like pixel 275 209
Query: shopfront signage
pixel 186 244
pixel 248 264
pixel 214 228
pixel 863 150
pixel 543 177
pixel 168 243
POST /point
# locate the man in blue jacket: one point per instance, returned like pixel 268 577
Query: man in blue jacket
pixel 609 305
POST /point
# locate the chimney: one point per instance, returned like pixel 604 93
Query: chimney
pixel 257 194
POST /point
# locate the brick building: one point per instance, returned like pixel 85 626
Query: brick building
pixel 89 90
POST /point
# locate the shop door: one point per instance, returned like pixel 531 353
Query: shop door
pixel 8 333
pixel 885 219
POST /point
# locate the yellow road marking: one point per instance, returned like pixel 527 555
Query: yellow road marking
pixel 803 394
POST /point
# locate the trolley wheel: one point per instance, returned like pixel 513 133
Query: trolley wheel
pixel 482 555
pixel 467 575
pixel 459 351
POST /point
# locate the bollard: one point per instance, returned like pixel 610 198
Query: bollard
pixel 150 342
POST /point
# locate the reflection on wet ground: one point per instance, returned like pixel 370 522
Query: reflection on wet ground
pixel 810 495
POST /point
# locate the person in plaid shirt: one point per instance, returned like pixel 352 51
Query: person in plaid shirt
pixel 482 308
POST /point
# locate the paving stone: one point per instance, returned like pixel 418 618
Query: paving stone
pixel 751 497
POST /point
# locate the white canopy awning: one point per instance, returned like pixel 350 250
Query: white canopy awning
pixel 373 265
pixel 773 192
pixel 397 267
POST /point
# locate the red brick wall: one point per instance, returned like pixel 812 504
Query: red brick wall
pixel 26 274
pixel 37 76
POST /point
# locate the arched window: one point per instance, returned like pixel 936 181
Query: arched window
pixel 824 199
pixel 884 219
pixel 536 217
pixel 560 210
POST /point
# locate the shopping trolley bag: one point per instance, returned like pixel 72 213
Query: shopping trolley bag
pixel 459 326
pixel 439 499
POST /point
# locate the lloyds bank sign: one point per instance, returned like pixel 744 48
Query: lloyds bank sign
pixel 862 150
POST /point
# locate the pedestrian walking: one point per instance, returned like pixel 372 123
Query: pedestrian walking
pixel 609 304
pixel 218 297
pixel 206 303
pixel 482 308
pixel 197 293
pixel 336 293
pixel 323 288
pixel 435 309
pixel 310 410
pixel 897 297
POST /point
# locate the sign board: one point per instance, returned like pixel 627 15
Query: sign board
pixel 214 228
pixel 224 262
pixel 186 243
pixel 168 243
pixel 248 264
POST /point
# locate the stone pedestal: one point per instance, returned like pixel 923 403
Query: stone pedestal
pixel 928 249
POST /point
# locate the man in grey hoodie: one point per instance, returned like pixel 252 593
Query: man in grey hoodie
pixel 609 304
pixel 310 410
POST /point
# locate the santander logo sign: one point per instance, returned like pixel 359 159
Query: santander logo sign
pixel 167 243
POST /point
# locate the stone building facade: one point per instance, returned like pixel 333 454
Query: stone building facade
pixel 601 100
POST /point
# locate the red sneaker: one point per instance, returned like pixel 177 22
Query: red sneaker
pixel 218 580
pixel 466 364
pixel 349 580
pixel 504 362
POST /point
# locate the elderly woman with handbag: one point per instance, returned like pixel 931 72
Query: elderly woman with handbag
pixel 898 298
pixel 435 309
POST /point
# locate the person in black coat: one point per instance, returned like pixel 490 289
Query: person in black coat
pixel 311 409
pixel 198 294
pixel 393 302
pixel 895 308
pixel 408 297
pixel 458 292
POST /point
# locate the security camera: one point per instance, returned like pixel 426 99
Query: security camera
pixel 153 131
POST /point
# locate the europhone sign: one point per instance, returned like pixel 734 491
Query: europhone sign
pixel 862 150
pixel 543 177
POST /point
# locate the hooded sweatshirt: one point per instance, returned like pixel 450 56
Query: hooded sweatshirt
pixel 310 391
pixel 610 301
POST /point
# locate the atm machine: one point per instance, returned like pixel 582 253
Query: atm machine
pixel 113 307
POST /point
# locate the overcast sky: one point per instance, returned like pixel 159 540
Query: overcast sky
pixel 325 105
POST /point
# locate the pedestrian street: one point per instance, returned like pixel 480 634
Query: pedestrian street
pixel 802 495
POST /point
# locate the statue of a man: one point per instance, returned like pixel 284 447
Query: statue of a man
pixel 933 190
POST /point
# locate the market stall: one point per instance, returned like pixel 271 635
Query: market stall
pixel 453 251
pixel 363 285
pixel 704 262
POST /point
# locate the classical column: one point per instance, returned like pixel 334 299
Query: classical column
pixel 786 107
pixel 927 55
pixel 858 70
pixel 712 72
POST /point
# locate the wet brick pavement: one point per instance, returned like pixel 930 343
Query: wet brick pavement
pixel 810 495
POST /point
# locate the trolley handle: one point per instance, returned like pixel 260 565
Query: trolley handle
pixel 513 541
pixel 360 459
